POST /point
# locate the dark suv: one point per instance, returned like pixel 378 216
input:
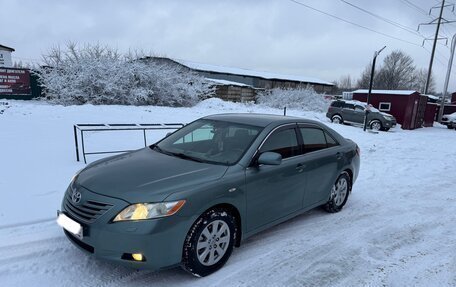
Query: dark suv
pixel 344 111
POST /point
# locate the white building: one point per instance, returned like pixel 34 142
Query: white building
pixel 5 56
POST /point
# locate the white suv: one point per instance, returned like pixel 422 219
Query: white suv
pixel 449 120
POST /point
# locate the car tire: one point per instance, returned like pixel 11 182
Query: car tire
pixel 449 126
pixel 375 125
pixel 337 119
pixel 339 194
pixel 209 242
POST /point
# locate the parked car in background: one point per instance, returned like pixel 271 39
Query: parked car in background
pixel 449 120
pixel 353 112
pixel 191 197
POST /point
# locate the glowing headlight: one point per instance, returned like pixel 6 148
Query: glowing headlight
pixel 141 211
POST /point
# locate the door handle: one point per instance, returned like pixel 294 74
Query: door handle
pixel 300 167
pixel 339 155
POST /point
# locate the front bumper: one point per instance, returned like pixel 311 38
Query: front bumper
pixel 389 124
pixel 159 240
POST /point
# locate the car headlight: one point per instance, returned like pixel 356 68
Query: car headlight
pixel 75 176
pixel 142 211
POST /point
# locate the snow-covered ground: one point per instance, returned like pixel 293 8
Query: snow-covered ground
pixel 397 229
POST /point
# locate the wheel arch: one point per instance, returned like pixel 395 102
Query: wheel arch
pixel 339 115
pixel 233 210
pixel 350 175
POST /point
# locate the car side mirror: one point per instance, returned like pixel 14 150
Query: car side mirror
pixel 270 158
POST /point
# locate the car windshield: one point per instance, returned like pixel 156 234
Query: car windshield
pixel 210 141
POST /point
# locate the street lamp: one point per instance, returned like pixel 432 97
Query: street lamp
pixel 370 85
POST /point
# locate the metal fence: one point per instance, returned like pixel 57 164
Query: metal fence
pixel 80 129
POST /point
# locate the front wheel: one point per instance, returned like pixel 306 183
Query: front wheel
pixel 339 194
pixel 375 125
pixel 209 243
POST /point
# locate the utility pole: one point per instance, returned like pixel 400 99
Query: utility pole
pixel 370 86
pixel 447 78
pixel 433 48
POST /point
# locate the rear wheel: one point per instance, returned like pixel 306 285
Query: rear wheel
pixel 339 194
pixel 209 243
pixel 336 119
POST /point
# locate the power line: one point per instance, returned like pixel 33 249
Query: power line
pixel 419 9
pixel 352 23
pixel 391 22
pixel 437 58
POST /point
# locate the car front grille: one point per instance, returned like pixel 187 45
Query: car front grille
pixel 87 211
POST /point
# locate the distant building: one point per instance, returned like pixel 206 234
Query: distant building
pixel 5 56
pixel 453 98
pixel 238 84
pixel 407 106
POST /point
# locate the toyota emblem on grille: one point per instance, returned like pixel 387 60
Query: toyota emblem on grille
pixel 76 196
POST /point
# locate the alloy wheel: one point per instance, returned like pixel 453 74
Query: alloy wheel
pixel 376 125
pixel 339 191
pixel 213 242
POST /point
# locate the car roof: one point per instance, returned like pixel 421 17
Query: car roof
pixel 354 102
pixel 261 120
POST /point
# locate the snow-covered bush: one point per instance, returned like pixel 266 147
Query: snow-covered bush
pixel 100 75
pixel 305 99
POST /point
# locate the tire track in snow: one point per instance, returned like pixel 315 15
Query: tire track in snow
pixel 22 224
pixel 15 253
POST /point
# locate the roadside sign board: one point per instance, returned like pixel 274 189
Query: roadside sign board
pixel 14 82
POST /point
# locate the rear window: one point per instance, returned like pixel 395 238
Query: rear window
pixel 337 104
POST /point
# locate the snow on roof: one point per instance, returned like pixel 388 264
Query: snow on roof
pixel 387 92
pixel 226 83
pixel 432 97
pixel 246 72
pixel 2 47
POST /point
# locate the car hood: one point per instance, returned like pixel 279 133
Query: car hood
pixel 386 114
pixel 146 175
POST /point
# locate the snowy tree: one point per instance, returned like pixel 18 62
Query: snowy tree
pixel 305 99
pixel 397 72
pixel 420 81
pixel 100 75
pixel 364 80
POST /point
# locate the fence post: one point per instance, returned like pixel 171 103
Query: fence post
pixel 76 142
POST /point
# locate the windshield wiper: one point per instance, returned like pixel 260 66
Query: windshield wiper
pixel 176 154
pixel 185 156
pixel 157 148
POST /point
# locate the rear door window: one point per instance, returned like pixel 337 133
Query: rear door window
pixel 359 108
pixel 313 139
pixel 316 139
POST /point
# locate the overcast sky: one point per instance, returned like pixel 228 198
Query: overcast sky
pixel 270 35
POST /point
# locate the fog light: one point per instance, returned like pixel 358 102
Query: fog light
pixel 137 256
